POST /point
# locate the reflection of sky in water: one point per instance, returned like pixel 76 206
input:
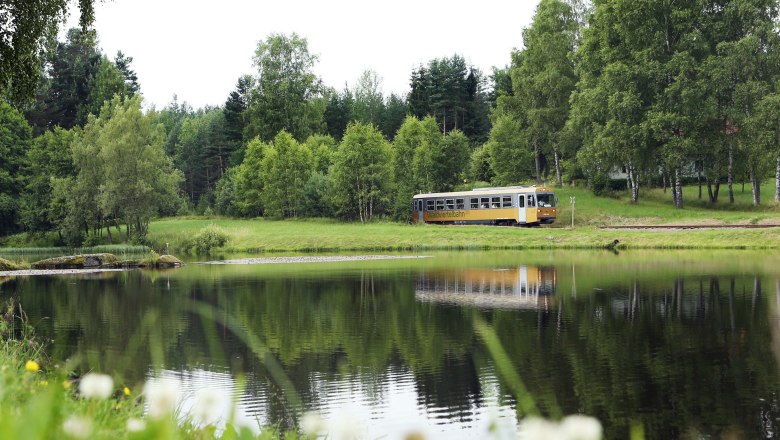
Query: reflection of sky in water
pixel 348 404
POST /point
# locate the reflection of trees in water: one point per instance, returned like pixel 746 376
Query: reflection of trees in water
pixel 684 354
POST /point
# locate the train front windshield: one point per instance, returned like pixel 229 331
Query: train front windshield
pixel 546 200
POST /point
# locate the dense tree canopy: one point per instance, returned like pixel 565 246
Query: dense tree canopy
pixel 282 98
pixel 15 136
pixel 25 27
pixel 604 94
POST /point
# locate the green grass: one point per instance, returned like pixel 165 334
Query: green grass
pixel 322 235
pixel 655 207
pixel 252 236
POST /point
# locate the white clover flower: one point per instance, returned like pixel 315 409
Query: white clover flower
pixel 346 426
pixel 312 423
pixel 535 428
pixel 580 427
pixel 210 405
pixel 135 425
pixel 162 397
pixel 96 386
pixel 242 420
pixel 77 427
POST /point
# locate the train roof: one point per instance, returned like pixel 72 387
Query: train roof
pixel 488 191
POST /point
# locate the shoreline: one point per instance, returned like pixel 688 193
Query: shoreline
pixel 311 259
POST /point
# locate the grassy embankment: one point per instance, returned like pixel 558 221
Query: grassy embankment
pixel 654 208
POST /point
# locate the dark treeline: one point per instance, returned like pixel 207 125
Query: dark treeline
pixel 653 93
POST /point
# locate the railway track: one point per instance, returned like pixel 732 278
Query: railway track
pixel 675 227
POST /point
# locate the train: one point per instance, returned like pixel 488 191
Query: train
pixel 502 206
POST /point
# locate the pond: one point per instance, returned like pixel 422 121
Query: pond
pixel 684 344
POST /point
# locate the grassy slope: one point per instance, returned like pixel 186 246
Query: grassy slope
pixel 654 207
pixel 262 235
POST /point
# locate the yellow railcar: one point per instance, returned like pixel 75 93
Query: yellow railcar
pixel 507 206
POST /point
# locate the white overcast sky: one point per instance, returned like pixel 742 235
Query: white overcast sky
pixel 197 49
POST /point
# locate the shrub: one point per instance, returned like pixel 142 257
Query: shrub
pixel 206 240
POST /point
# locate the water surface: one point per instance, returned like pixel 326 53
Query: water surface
pixel 681 342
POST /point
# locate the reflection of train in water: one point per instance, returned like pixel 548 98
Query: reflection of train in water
pixel 523 287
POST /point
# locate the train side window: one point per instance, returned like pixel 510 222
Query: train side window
pixel 474 203
pixel 506 202
pixel 495 202
pixel 460 204
pixel 484 202
pixel 521 201
pixel 429 205
pixel 450 203
pixel 531 201
pixel 440 205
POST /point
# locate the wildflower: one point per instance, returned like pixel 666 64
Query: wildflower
pixel 44 383
pixel 126 391
pixel 209 405
pixel 96 386
pixel 32 366
pixel 535 428
pixel 161 397
pixel 77 427
pixel 67 384
pixel 580 427
pixel 135 425
pixel 312 423
pixel 344 426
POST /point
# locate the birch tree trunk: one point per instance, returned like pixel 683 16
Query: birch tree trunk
pixel 698 178
pixel 558 168
pixel 663 179
pixel 678 189
pixel 777 180
pixel 731 170
pixel 755 183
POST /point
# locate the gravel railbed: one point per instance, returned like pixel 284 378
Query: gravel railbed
pixel 314 259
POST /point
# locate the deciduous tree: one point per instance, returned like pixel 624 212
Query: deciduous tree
pixel 284 88
pixel 361 173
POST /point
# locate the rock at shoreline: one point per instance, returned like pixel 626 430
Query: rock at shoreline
pixel 167 261
pixel 161 262
pixel 75 261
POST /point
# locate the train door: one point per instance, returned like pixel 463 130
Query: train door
pixel 420 204
pixel 521 209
